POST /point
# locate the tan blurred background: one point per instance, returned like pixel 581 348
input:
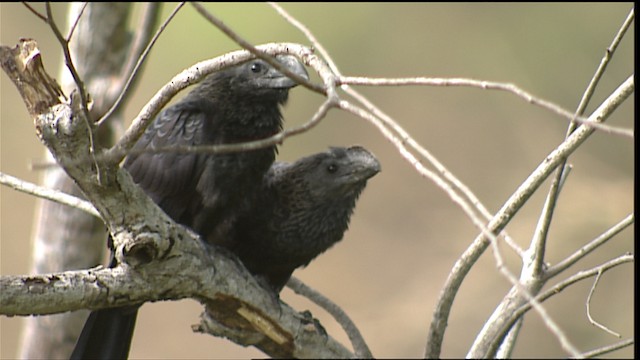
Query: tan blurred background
pixel 406 234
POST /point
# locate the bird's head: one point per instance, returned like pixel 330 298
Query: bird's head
pixel 339 172
pixel 255 79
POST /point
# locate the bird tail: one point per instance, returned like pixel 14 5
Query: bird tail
pixel 106 334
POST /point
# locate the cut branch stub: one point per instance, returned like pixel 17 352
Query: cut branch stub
pixel 23 65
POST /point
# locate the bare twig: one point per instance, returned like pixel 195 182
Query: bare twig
pixel 244 146
pixel 418 166
pixel 49 194
pixel 581 275
pixel 359 344
pixel 75 23
pixel 255 51
pixel 591 88
pixel 488 339
pixel 591 320
pixel 314 42
pixel 508 211
pixel 506 87
pixel 592 245
pixel 514 314
pixel 607 349
pixel 510 88
pixel 547 213
pixel 142 39
pixel 538 244
pixel 84 98
pixel 34 11
pixel 404 136
pixel 539 240
pixel 67 58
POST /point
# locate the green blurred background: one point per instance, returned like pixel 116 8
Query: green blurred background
pixel 406 234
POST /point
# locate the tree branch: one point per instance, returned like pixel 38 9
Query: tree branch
pixel 191 76
pixel 507 212
pixel 588 248
pixel 385 123
pixel 48 194
pixel 489 85
pixel 588 305
pixel 137 56
pixel 190 270
pixel 255 50
pixel 556 289
pixel 607 349
pixel 153 250
pixel 359 344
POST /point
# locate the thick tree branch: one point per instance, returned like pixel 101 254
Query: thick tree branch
pixel 70 238
pixel 189 270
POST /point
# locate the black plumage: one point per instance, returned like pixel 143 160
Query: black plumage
pixel 206 192
pixel 303 209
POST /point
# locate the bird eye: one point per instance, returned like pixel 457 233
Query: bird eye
pixel 256 67
pixel 332 168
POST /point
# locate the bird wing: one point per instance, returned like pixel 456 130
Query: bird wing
pixel 168 177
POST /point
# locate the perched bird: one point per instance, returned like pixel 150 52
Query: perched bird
pixel 302 210
pixel 205 192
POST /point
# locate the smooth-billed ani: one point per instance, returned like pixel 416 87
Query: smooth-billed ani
pixel 205 192
pixel 303 209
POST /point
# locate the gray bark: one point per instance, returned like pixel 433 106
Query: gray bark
pixel 66 238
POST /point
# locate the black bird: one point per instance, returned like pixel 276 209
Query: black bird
pixel 203 191
pixel 303 209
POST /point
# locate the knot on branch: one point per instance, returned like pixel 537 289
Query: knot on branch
pixel 141 251
pixel 141 248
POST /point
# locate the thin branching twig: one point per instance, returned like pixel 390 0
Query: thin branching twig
pixel 489 346
pixel 592 245
pixel 607 349
pixel 34 11
pixel 588 305
pixel 255 51
pixel 490 85
pixel 133 70
pixel 75 23
pixel 84 97
pixel 507 212
pixel 581 275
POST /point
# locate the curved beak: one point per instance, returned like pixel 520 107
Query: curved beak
pixel 279 80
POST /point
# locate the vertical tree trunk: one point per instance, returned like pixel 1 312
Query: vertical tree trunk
pixel 66 238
